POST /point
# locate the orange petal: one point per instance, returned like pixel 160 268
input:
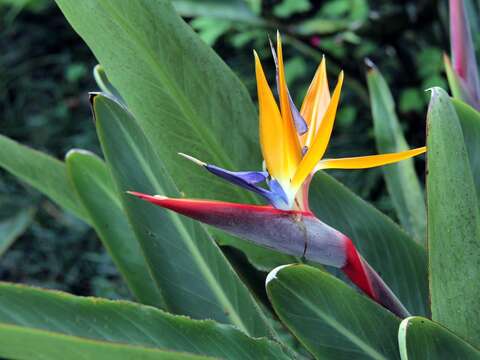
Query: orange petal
pixel 321 140
pixel 271 127
pixel 315 102
pixel 364 162
pixel 292 145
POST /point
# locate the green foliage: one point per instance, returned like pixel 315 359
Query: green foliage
pixel 193 116
pixel 199 282
pixel 329 318
pixel 13 225
pixel 95 189
pixel 422 339
pixel 453 223
pixel 402 181
pixel 41 171
pixel 48 315
pixel 181 97
pixel 383 243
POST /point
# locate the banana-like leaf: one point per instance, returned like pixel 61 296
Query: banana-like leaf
pixel 422 339
pixel 102 326
pixel 44 173
pixel 44 345
pixel 182 94
pixel 402 181
pixel 96 191
pixel 194 276
pixel 332 320
pixel 470 122
pixel 13 226
pixel 400 261
pixel 453 223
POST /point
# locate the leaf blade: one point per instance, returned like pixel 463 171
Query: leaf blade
pixel 95 189
pixel 453 223
pixel 402 181
pixel 42 172
pixel 123 322
pixel 329 318
pixel 194 276
pixel 422 339
pixel 401 262
pixel 183 96
pixel 12 227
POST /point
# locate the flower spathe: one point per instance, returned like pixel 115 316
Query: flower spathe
pixel 294 142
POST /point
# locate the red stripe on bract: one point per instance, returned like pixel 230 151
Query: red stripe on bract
pixel 356 272
pixel 194 208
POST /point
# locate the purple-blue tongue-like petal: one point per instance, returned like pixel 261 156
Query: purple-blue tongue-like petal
pixel 238 177
pixel 248 180
pixel 299 121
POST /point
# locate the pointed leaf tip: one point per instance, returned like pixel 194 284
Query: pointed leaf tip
pixel 193 159
pixel 272 275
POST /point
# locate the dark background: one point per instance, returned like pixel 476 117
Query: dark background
pixel 46 72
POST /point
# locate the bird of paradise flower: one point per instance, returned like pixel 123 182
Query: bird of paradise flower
pixel 293 143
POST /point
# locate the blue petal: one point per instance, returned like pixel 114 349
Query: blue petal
pixel 242 178
pixel 299 121
pixel 277 190
pixel 248 180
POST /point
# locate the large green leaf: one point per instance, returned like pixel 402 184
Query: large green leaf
pixel 194 276
pixel 182 94
pixel 453 223
pixel 422 339
pixel 400 261
pixel 41 171
pixel 25 343
pixel 96 191
pixel 332 320
pixel 53 315
pixel 470 122
pixel 402 181
pixel 13 226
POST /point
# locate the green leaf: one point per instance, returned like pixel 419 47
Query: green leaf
pixel 44 345
pixel 41 171
pixel 453 223
pixel 400 261
pixel 237 10
pixel 194 276
pixel 422 339
pixel 96 191
pixel 57 315
pixel 289 7
pixel 470 122
pixel 402 181
pixel 183 96
pixel 321 26
pixel 332 320
pixel 14 226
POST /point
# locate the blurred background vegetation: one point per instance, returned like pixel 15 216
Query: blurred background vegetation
pixel 46 72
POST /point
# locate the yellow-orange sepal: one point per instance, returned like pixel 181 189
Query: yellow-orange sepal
pixel 365 162
pixel 271 127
